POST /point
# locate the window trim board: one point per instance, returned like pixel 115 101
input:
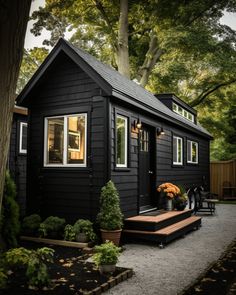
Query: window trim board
pixel 22 151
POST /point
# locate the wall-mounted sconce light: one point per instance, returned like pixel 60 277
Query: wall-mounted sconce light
pixel 137 124
pixel 160 131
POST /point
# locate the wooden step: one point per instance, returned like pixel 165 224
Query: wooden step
pixel 168 233
pixel 154 223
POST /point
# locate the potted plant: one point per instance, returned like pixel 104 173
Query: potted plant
pixel 106 257
pixel 110 217
pixel 52 227
pixel 83 230
pixel 30 224
pixel 170 191
pixel 181 199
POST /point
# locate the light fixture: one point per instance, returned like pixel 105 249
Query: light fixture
pixel 160 131
pixel 137 124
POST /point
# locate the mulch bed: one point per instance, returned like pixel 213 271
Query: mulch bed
pixel 70 274
pixel 220 279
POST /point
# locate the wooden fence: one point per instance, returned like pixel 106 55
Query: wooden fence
pixel 220 172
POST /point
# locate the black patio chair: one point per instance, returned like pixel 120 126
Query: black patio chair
pixel 204 200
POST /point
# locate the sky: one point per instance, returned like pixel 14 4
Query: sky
pixel 31 41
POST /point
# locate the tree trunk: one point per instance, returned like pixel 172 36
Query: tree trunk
pixel 122 46
pixel 13 22
pixel 153 54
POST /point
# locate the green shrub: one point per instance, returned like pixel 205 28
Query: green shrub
pixel 3 279
pixel 52 226
pixel 84 226
pixel 30 224
pixel 106 254
pixel 33 262
pixel 69 234
pixel 10 224
pixel 110 216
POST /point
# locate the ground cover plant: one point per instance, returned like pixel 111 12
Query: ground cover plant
pixel 220 278
pixel 70 273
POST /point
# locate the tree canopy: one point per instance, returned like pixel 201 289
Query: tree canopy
pixel 167 46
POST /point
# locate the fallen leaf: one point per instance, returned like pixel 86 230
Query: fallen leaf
pixel 208 280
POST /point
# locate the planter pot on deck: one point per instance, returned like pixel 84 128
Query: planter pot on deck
pixel 169 204
pixel 106 268
pixel 112 235
pixel 180 207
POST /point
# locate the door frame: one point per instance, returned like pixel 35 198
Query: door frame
pixel 152 152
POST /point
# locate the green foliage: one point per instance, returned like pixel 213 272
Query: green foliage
pixel 69 233
pixel 30 224
pixel 10 224
pixel 52 226
pixel 84 226
pixel 110 216
pixel 3 279
pixel 33 261
pixel 106 254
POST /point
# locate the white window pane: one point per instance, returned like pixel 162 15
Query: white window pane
pixel 76 139
pixel 179 150
pixel 194 152
pixel 55 131
pixel 175 150
pixel 121 141
pixel 175 107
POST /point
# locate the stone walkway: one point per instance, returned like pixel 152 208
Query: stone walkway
pixel 169 271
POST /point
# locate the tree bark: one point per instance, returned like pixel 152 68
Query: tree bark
pixel 14 16
pixel 152 55
pixel 122 46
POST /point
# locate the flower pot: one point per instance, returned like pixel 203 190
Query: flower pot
pixel 180 206
pixel 81 237
pixel 111 235
pixel 107 268
pixel 169 204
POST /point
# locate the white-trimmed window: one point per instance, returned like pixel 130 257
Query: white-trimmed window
pixel 121 141
pixel 65 140
pixel 182 112
pixel 192 152
pixel 177 150
pixel 23 138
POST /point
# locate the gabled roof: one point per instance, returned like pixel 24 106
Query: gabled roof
pixel 113 83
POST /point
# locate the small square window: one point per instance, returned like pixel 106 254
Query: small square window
pixel 23 138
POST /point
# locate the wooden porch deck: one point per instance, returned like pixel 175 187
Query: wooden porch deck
pixel 161 228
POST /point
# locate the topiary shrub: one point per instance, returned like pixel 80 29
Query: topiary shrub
pixel 30 224
pixel 110 216
pixel 84 226
pixel 10 224
pixel 52 227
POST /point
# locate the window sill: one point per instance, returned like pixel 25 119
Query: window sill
pixel 122 169
pixel 177 165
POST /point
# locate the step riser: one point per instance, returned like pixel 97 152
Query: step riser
pixel 153 226
pixel 127 236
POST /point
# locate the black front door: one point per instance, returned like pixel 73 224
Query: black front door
pixel 146 172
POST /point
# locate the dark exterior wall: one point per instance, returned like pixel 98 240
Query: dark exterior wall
pixel 127 180
pixel 17 161
pixel 69 192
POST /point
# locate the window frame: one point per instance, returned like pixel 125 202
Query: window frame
pixel 125 165
pixel 183 113
pixel 197 149
pixel 182 150
pixel 65 141
pixel 21 150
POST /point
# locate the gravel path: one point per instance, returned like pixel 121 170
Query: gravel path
pixel 169 271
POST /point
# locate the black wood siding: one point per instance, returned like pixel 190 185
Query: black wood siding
pixel 17 162
pixel 69 192
pixel 187 175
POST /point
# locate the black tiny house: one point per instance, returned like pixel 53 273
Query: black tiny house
pixel 89 124
pixel 17 154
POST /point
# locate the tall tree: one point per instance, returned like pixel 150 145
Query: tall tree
pixel 14 16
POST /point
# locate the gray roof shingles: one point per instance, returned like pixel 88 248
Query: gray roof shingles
pixel 130 88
